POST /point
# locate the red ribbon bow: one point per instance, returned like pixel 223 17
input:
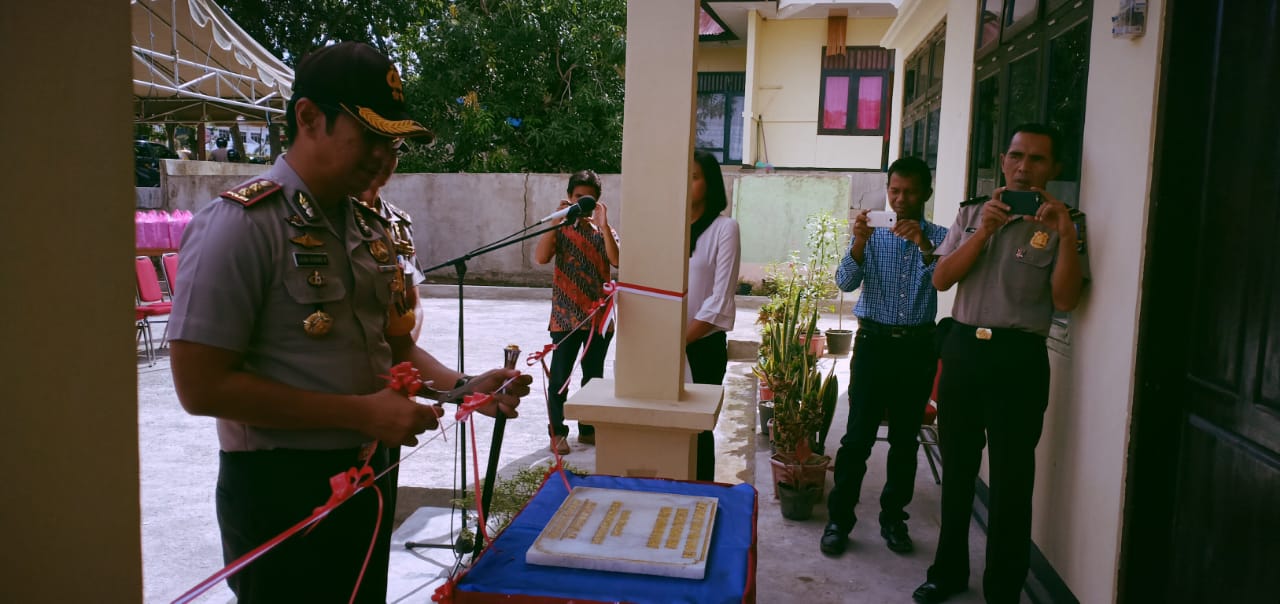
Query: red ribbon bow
pixel 404 379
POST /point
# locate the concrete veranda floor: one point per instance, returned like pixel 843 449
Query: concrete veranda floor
pixel 179 467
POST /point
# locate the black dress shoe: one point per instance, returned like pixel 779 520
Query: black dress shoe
pixel 895 535
pixel 834 540
pixel 933 593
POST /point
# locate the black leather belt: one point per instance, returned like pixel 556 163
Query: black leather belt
pixel 995 333
pixel 894 331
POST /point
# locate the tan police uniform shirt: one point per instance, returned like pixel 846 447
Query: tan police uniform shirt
pixel 253 273
pixel 1009 284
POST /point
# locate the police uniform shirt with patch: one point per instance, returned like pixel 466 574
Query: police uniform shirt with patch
pixel 1009 284
pixel 400 227
pixel 255 271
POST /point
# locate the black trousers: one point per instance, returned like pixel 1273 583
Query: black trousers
pixel 708 359
pixel 891 378
pixel 262 493
pixel 562 360
pixel 994 393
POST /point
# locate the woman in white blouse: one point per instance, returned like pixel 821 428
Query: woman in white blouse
pixel 714 251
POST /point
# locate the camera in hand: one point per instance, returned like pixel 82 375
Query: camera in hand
pixel 1021 202
pixel 878 219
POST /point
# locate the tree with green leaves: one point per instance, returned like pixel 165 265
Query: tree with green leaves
pixel 519 85
pixel 507 85
pixel 292 28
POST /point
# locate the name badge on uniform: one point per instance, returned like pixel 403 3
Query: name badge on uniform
pixel 301 259
pixel 386 268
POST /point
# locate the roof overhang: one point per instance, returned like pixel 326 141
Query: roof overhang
pixel 733 14
pixel 192 63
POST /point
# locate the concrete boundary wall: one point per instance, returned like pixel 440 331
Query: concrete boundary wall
pixel 456 213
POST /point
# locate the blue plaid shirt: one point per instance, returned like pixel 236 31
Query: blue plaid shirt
pixel 897 286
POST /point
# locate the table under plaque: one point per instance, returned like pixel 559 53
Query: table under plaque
pixel 728 515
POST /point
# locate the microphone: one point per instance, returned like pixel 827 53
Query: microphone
pixel 586 205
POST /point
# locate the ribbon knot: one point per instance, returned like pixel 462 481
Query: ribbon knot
pixel 405 379
pixel 470 403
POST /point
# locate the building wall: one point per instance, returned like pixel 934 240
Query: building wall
pixel 917 18
pixel 1081 458
pixel 786 89
pixel 721 56
pixel 70 511
pixel 1080 494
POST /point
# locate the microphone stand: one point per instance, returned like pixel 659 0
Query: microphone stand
pixel 459 265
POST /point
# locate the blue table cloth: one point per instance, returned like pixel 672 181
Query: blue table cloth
pixel 501 574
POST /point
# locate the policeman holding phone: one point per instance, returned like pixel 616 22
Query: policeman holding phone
pixel 1014 265
pixel 893 361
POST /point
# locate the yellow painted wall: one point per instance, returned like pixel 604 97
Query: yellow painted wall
pixel 787 81
pixel 1081 458
pixel 719 56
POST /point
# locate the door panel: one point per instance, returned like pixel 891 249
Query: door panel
pixel 1204 488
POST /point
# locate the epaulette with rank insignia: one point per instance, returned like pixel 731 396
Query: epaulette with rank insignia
pixel 253 192
pixel 975 201
pixel 371 212
pixel 401 215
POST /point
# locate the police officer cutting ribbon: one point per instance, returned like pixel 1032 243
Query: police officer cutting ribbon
pixel 284 333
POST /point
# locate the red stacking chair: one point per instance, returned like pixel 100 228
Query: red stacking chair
pixel 151 302
pixel 169 262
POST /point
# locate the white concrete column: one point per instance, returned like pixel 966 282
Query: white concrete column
pixel 69 405
pixel 646 419
pixel 749 116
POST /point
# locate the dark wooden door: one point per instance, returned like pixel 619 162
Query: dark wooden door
pixel 1202 517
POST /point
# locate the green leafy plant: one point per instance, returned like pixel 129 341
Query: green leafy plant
pixel 510 495
pixel 787 365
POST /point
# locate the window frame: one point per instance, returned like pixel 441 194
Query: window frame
pixel 919 109
pixel 855 76
pixel 729 92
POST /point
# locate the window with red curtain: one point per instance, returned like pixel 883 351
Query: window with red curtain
pixel 853 95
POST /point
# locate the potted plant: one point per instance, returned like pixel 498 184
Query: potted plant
pixel 788 366
pixel 839 340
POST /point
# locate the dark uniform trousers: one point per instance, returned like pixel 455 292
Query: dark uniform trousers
pixel 892 377
pixel 708 360
pixel 992 392
pixel 562 360
pixel 261 494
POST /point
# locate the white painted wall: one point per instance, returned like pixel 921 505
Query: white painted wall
pixel 1081 459
pixel 1080 491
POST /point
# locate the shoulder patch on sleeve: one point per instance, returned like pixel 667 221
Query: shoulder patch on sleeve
pixel 975 201
pixel 252 192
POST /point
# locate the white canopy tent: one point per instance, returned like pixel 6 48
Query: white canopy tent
pixel 192 63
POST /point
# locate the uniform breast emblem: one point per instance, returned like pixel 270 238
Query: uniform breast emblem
pixel 378 248
pixel 317 324
pixel 1021 253
pixel 315 279
pixel 305 204
pixel 306 240
pixel 1040 240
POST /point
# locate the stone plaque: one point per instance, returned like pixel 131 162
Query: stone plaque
pixel 628 532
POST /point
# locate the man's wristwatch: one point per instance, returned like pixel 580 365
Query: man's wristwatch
pixel 462 381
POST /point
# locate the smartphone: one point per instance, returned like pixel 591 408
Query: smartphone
pixel 1021 202
pixel 880 219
